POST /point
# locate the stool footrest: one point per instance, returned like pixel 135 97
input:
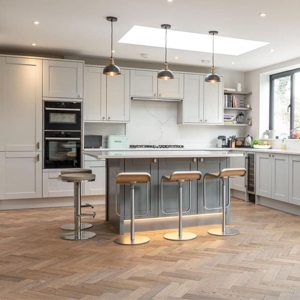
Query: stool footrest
pixel 87 205
pixel 88 215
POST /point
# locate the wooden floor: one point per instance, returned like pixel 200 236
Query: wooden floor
pixel 262 262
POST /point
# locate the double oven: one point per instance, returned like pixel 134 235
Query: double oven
pixel 62 134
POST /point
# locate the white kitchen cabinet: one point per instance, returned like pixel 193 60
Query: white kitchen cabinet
pixel 145 84
pixel 202 102
pixel 106 98
pixel 272 176
pixel 23 175
pixel 53 186
pixel 294 186
pixel 238 183
pixel 62 79
pixel 2 175
pixel 21 104
pixel 97 187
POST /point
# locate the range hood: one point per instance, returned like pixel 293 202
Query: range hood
pixel 155 99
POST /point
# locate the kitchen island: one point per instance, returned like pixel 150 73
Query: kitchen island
pixel 159 163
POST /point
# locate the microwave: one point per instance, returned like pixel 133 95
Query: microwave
pixel 92 141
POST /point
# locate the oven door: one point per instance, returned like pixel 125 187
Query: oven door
pixel 62 150
pixel 62 116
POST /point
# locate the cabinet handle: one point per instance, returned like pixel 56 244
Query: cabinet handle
pixel 154 94
pixel 38 157
pixel 103 118
pixel 159 95
pixel 205 120
pixel 79 95
pixel 108 118
pixel 201 121
pixel 38 145
pixel 155 160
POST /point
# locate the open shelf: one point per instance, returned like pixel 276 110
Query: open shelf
pixel 239 125
pixel 237 108
pixel 237 93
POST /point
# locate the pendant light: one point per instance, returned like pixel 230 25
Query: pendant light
pixel 212 77
pixel 111 69
pixel 165 73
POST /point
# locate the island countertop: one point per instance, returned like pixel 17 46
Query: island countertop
pixel 159 154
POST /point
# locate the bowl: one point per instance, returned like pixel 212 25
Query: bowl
pixel 262 146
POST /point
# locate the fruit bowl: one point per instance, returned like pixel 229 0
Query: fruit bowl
pixel 262 146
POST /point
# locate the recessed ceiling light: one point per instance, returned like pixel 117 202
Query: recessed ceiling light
pixel 176 57
pixel 262 14
pixel 272 50
pixel 170 0
pixel 36 22
pixel 232 62
pixel 33 44
pixel 149 36
pixel 113 51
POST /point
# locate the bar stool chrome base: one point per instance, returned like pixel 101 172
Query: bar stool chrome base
pixel 71 226
pixel 83 235
pixel 174 236
pixel 126 240
pixel 226 232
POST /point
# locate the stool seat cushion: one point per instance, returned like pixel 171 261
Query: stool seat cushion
pixel 186 175
pixel 78 177
pixel 138 177
pixel 75 170
pixel 231 172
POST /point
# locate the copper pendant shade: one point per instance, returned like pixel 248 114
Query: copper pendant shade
pixel 111 69
pixel 165 73
pixel 213 77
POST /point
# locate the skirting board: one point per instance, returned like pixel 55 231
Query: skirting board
pixel 47 202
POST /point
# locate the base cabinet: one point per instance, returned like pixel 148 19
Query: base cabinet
pixel 272 176
pixel 294 186
pixel 23 175
pixel 97 187
pixel 238 183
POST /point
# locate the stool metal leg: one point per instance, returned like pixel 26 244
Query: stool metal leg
pixel 180 236
pixel 223 231
pixel 132 240
pixel 77 234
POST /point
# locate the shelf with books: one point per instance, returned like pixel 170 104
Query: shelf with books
pixel 235 99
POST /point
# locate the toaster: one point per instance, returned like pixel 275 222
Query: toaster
pixel 117 141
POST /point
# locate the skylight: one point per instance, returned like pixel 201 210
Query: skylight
pixel 155 37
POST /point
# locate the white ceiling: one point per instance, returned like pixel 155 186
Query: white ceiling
pixel 79 28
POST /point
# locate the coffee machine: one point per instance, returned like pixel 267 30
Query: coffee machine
pixel 221 141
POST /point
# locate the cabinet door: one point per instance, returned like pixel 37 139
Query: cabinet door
pixel 172 89
pixel 95 94
pixel 2 175
pixel 193 92
pixel 143 83
pixel 62 79
pixel 98 186
pixel 213 102
pixel 264 175
pixel 280 177
pixel 2 104
pixel 23 104
pixel 117 97
pixel 294 186
pixel 23 175
pixel 53 186
pixel 238 183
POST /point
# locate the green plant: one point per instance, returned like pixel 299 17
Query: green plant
pixel 255 142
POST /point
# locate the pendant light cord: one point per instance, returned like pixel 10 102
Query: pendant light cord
pixel 111 39
pixel 166 46
pixel 213 53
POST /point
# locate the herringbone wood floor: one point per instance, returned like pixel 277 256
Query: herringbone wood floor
pixel 262 262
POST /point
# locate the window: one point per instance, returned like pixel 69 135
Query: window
pixel 285 102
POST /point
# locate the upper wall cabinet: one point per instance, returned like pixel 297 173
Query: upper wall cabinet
pixel 106 98
pixel 62 79
pixel 202 102
pixel 20 104
pixel 145 84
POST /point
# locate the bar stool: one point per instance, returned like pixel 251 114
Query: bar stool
pixel 132 179
pixel 77 178
pixel 223 176
pixel 180 177
pixel 71 226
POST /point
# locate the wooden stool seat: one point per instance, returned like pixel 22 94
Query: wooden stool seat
pixel 132 179
pixel 180 177
pixel 75 170
pixel 222 175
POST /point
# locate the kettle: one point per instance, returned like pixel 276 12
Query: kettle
pixel 248 141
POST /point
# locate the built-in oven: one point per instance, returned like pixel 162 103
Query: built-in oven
pixel 62 115
pixel 62 149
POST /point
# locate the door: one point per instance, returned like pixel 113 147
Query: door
pixel 213 102
pixel 280 177
pixel 143 83
pixel 172 89
pixel 294 186
pixel 62 79
pixel 264 175
pixel 193 93
pixel 23 175
pixel 117 97
pixel 94 94
pixel 23 104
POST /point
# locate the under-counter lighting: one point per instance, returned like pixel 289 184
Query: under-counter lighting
pixel 149 36
pixel 36 22
pixel 262 14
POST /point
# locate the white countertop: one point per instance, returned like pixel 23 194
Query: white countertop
pixel 120 153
